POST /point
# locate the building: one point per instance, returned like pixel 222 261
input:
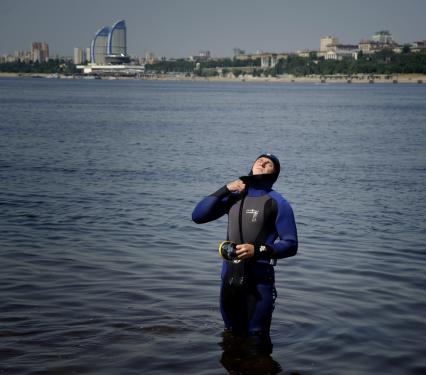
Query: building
pixel 419 46
pixel 108 53
pixel 340 51
pixel 326 41
pixel 369 46
pixel 20 56
pixel 268 60
pixel 110 45
pixel 238 51
pixel 87 54
pixel 202 55
pixel 383 37
pixel 304 53
pixel 98 48
pixel 244 57
pixel 117 43
pixel 117 70
pixel 40 52
pixel 379 41
pixel 79 56
pixel 150 58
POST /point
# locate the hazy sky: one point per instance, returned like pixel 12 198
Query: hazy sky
pixel 180 28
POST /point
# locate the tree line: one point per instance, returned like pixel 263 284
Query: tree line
pixel 383 62
pixel 52 66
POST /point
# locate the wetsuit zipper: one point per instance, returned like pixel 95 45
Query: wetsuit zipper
pixel 240 219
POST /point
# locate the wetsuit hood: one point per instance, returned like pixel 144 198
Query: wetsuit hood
pixel 263 181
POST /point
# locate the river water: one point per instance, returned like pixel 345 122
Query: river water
pixel 103 271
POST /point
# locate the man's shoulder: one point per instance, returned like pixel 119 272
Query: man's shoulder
pixel 276 196
pixel 279 199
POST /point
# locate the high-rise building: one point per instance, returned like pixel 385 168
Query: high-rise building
pixel 117 39
pixel 79 56
pixel 40 51
pixel 87 52
pixel 98 48
pixel 110 45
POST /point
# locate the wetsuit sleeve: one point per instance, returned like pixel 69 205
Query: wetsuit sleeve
pixel 285 225
pixel 285 228
pixel 212 207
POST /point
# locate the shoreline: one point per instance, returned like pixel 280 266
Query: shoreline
pixel 337 78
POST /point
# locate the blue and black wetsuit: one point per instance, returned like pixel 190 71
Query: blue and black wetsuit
pixel 261 217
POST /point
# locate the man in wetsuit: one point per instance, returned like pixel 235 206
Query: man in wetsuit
pixel 261 223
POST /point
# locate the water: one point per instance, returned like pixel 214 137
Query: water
pixel 103 272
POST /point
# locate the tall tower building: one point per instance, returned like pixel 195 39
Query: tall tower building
pixel 117 39
pixel 40 51
pixel 98 48
pixel 79 56
pixel 87 54
pixel 110 45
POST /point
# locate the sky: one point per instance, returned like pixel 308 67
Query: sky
pixel 181 28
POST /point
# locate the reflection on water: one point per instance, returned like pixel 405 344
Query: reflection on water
pixel 248 354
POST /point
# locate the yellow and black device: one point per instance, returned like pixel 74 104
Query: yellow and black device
pixel 228 250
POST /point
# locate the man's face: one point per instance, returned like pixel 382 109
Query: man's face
pixel 263 165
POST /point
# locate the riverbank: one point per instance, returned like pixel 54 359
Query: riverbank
pixel 338 78
pixel 362 78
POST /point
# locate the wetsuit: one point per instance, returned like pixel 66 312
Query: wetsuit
pixel 259 216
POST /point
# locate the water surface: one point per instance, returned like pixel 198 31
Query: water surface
pixel 103 271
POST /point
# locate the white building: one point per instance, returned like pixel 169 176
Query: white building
pixel 383 37
pixel 340 51
pixel 121 69
pixel 268 60
pixel 326 41
pixel 87 54
pixel 418 46
pixel 79 56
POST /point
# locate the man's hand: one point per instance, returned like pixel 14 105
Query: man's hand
pixel 245 251
pixel 236 186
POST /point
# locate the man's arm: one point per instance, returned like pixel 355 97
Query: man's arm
pixel 211 207
pixel 216 205
pixel 287 232
pixel 285 226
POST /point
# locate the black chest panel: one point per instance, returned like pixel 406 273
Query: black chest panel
pixel 251 219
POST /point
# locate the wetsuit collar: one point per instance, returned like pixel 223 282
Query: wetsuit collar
pixel 258 184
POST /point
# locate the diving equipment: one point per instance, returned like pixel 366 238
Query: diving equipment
pixel 228 250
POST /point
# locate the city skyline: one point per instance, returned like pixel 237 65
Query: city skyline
pixel 180 29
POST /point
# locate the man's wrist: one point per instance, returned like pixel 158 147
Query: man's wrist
pixel 263 251
pixel 222 192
